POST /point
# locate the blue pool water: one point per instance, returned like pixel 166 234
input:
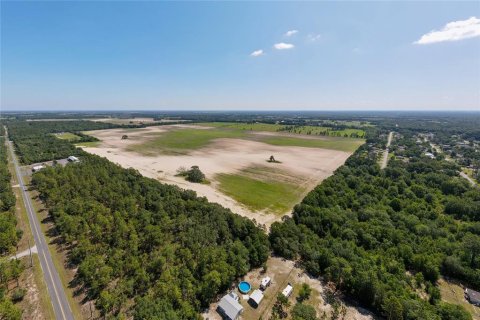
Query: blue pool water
pixel 244 287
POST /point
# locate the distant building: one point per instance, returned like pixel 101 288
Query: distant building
pixel 73 159
pixel 430 155
pixel 38 168
pixel 265 283
pixel 255 298
pixel 288 290
pixel 229 307
pixel 473 297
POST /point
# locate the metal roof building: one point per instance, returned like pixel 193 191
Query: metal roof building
pixel 472 296
pixel 229 307
pixel 256 297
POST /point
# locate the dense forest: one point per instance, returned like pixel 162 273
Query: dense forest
pixel 9 236
pixel 384 237
pixel 34 141
pixel 144 248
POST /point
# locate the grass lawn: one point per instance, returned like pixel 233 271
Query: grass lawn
pixel 90 144
pixel 67 136
pixel 451 292
pixel 181 141
pixel 341 144
pixel 276 197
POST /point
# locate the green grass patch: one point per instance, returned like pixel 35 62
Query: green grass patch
pixel 91 144
pixel 181 141
pixel 305 130
pixel 341 144
pixel 276 197
pixel 67 136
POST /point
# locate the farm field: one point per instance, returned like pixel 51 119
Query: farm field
pixel 233 160
pixel 136 121
pixel 306 130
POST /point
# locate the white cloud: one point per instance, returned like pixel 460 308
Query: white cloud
pixel 290 33
pixel 283 46
pixel 313 37
pixel 453 31
pixel 257 53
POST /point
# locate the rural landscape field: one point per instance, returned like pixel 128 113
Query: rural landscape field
pixel 239 160
pixel 235 160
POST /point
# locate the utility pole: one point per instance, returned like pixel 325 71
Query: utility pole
pixel 30 250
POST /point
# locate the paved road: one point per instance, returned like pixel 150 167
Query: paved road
pixel 52 279
pixel 385 153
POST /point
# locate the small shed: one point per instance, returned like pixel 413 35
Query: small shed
pixel 229 307
pixel 265 283
pixel 288 290
pixel 73 159
pixel 473 297
pixel 255 298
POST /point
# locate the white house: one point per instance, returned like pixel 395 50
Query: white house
pixel 265 283
pixel 38 168
pixel 288 290
pixel 229 307
pixel 256 297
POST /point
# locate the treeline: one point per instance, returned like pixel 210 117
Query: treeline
pixel 332 131
pixel 143 248
pixel 9 236
pixel 384 237
pixel 34 141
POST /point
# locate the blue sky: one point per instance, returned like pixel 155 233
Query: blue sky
pixel 198 55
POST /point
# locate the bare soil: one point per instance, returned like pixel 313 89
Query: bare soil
pixel 306 166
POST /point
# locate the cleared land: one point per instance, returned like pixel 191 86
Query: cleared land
pixel 283 272
pixel 233 160
pixel 67 136
pixel 452 292
pixel 136 121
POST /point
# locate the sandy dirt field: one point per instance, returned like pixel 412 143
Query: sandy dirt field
pixel 307 166
pixel 282 272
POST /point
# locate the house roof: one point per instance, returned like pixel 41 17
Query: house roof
pixel 230 307
pixel 473 295
pixel 257 296
pixel 265 281
pixel 287 291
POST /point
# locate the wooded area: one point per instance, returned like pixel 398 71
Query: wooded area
pixel 34 141
pixel 145 248
pixel 385 236
pixel 9 237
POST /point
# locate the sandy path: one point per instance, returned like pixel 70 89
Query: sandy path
pixel 306 166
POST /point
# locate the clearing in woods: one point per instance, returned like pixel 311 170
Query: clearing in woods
pixel 234 161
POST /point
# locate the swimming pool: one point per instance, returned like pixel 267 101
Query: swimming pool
pixel 244 287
